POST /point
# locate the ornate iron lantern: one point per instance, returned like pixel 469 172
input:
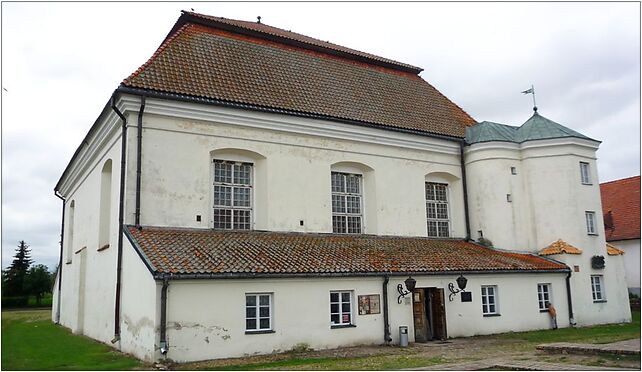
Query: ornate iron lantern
pixel 461 283
pixel 410 286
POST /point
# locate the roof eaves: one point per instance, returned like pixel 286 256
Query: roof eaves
pixel 196 99
pixel 140 252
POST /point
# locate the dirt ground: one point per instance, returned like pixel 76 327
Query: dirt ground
pixel 452 351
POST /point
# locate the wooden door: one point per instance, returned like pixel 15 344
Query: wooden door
pixel 419 315
pixel 438 313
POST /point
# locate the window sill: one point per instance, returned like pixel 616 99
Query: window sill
pixel 587 184
pixel 103 248
pixel 593 234
pixel 68 262
pixel 598 301
pixel 337 326
pixel 259 332
pixel 543 310
pixel 490 315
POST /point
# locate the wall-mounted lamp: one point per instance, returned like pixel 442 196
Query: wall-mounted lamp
pixel 410 286
pixel 461 283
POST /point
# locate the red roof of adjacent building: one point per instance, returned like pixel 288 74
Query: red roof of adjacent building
pixel 265 67
pixel 621 208
pixel 181 251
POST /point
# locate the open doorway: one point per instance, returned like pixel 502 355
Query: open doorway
pixel 429 313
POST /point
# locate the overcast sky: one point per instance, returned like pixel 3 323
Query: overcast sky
pixel 62 61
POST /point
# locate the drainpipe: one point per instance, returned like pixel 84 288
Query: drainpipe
pixel 463 180
pixel 62 239
pixel 163 318
pixel 121 212
pixel 386 326
pixel 138 158
pixel 571 318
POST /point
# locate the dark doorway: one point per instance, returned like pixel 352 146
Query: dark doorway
pixel 429 313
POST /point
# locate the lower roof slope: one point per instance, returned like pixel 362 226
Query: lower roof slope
pixel 179 251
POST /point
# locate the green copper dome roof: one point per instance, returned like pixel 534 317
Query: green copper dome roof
pixel 535 128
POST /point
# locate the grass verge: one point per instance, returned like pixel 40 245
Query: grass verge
pixel 30 341
pixel 601 334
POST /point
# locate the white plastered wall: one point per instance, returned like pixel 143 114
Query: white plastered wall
pixel 549 203
pixel 631 250
pixel 140 309
pixel 293 171
pixel 89 278
pixel 206 318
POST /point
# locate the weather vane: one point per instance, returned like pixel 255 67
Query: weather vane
pixel 532 91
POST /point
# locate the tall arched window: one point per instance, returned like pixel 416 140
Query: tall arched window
pixel 105 206
pixel 70 231
pixel 352 184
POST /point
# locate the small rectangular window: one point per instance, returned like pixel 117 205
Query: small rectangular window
pixel 341 308
pixel 591 229
pixel 597 288
pixel 232 195
pixel 347 203
pixel 489 300
pixel 258 312
pixel 543 295
pixel 585 173
pixel 437 210
pixel 513 170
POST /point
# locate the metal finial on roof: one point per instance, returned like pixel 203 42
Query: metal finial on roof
pixel 258 19
pixel 532 91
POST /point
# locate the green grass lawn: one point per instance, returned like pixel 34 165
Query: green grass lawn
pixel 30 341
pixel 590 335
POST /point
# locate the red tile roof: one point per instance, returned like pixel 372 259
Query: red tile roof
pixel 621 208
pixel 269 68
pixel 204 251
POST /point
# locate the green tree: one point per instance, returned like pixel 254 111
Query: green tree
pixel 38 281
pixel 16 273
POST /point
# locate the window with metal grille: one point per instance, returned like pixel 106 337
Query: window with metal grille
pixel 585 173
pixel 341 308
pixel 590 223
pixel 543 295
pixel 597 288
pixel 232 195
pixel 347 203
pixel 437 210
pixel 258 312
pixel 489 299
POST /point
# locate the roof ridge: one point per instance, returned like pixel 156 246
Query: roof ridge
pixel 300 38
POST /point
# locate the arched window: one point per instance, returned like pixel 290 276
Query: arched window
pixel 351 184
pixel 70 232
pixel 439 204
pixel 105 206
pixel 237 202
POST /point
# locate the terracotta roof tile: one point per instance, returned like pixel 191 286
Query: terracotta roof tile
pixel 204 61
pixel 621 208
pixel 559 247
pixel 613 250
pixel 204 251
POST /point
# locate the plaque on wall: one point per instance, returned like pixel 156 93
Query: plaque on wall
pixel 466 296
pixel 369 304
